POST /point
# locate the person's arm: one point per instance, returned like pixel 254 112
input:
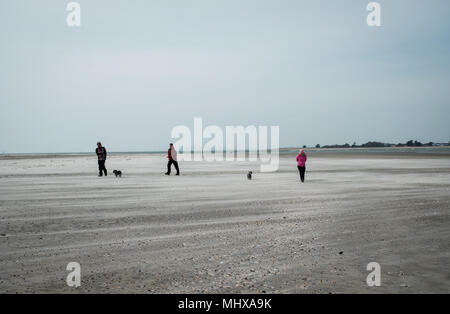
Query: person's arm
pixel 96 151
pixel 105 151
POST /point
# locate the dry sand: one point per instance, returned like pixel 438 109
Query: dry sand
pixel 213 231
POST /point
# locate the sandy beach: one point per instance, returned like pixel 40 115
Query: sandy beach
pixel 213 231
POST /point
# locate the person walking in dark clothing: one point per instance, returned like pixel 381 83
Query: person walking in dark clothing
pixel 172 156
pixel 101 154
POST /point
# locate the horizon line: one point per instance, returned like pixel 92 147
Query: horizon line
pixel 325 147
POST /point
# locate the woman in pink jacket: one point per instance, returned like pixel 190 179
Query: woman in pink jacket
pixel 301 164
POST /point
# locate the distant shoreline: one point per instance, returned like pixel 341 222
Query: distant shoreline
pixel 428 151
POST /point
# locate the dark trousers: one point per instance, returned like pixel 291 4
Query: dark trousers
pixel 101 168
pixel 302 172
pixel 169 166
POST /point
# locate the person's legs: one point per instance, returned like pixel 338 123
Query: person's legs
pixel 169 166
pixel 175 163
pixel 101 166
pixel 302 173
pixel 104 168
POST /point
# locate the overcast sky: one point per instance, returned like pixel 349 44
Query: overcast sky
pixel 135 69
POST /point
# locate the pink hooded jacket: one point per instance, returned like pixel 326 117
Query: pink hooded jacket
pixel 301 158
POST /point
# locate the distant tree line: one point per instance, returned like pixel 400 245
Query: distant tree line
pixel 410 143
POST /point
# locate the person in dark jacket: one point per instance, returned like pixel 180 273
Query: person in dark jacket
pixel 101 154
pixel 172 156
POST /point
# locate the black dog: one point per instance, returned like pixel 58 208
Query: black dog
pixel 118 173
pixel 249 175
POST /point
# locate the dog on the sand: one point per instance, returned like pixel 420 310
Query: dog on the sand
pixel 249 175
pixel 118 173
